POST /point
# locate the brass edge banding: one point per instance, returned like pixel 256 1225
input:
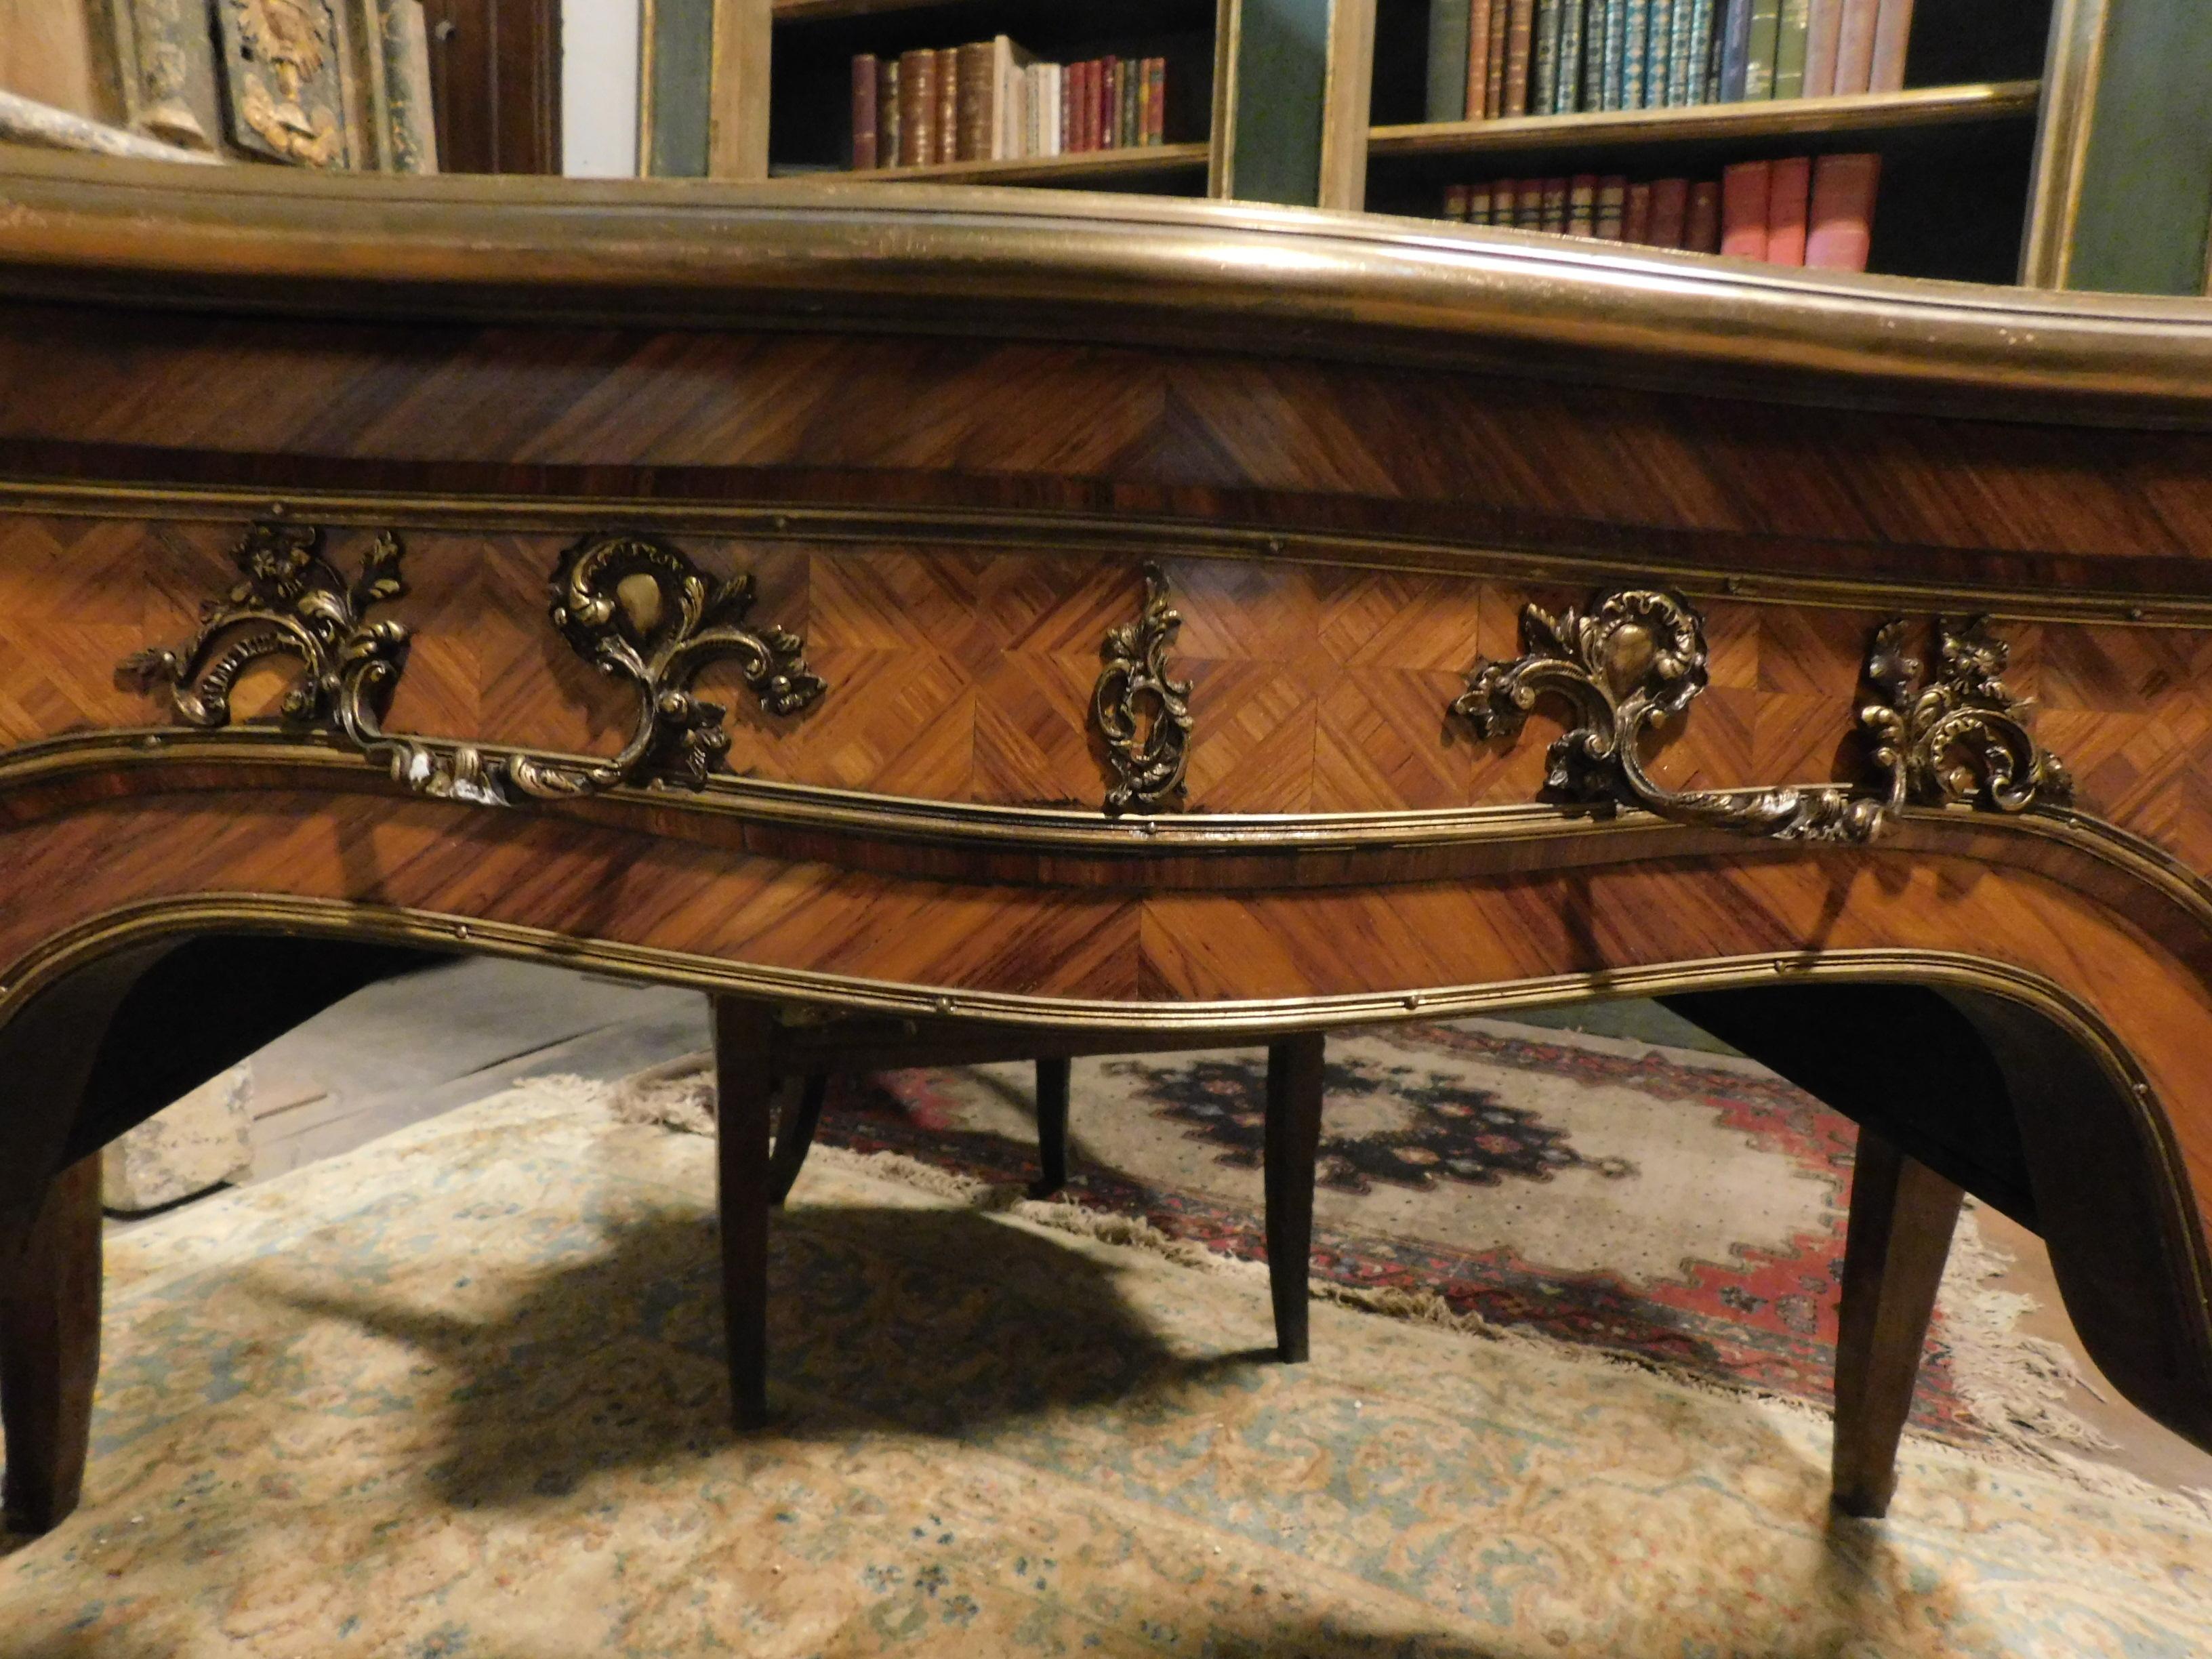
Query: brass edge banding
pixel 1062 534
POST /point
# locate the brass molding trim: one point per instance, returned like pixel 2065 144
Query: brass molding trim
pixel 1635 661
pixel 940 259
pixel 1063 534
pixel 637 609
pixel 1148 757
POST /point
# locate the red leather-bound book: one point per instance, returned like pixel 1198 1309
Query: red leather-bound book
pixel 1745 190
pixel 1109 103
pixel 864 111
pixel 1635 222
pixel 1670 211
pixel 1842 217
pixel 1520 39
pixel 1701 234
pixel 1791 184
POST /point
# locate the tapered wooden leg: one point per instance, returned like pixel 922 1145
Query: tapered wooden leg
pixel 50 1350
pixel 1052 1082
pixel 795 1136
pixel 1293 1138
pixel 744 1093
pixel 1903 1214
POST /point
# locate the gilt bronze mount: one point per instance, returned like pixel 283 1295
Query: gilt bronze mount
pixel 635 608
pixel 1148 766
pixel 1635 661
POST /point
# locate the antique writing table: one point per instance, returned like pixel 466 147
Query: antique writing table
pixel 1051 622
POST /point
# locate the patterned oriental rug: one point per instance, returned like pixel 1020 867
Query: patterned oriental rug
pixel 1686 1211
pixel 459 1393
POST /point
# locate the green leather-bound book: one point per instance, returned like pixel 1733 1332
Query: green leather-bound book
pixel 1759 62
pixel 1448 24
pixel 678 81
pixel 1793 35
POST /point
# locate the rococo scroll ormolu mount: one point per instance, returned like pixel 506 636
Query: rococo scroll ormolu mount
pixel 637 609
pixel 1148 766
pixel 1636 661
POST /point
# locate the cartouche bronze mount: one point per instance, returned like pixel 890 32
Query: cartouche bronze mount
pixel 640 612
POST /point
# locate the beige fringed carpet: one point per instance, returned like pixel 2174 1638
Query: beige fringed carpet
pixel 459 1393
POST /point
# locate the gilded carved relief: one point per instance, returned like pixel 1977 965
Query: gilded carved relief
pixel 1133 688
pixel 1634 662
pixel 282 68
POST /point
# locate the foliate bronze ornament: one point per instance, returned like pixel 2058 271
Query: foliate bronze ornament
pixel 1148 764
pixel 281 72
pixel 1962 739
pixel 1637 660
pixel 637 609
pixel 1630 665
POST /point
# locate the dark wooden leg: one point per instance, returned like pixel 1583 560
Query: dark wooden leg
pixel 50 1350
pixel 1052 1078
pixel 744 1093
pixel 795 1136
pixel 1902 1218
pixel 1293 1138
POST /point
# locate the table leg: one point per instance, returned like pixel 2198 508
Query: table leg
pixel 744 1091
pixel 50 1350
pixel 1902 1217
pixel 795 1136
pixel 1293 1140
pixel 1052 1083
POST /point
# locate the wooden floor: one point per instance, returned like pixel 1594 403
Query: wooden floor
pixel 412 1047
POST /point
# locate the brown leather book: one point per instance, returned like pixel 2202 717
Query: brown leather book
pixel 1520 39
pixel 1479 200
pixel 1788 192
pixel 1582 204
pixel 1456 203
pixel 1612 208
pixel 1701 231
pixel 1636 218
pixel 1156 101
pixel 1494 88
pixel 1478 59
pixel 1555 206
pixel 1855 45
pixel 1746 191
pixel 917 109
pixel 1528 205
pixel 1842 214
pixel 1670 211
pixel 887 124
pixel 865 72
pixel 975 100
pixel 948 104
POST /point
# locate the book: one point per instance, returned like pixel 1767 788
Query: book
pixel 1455 196
pixel 1839 227
pixel 1571 54
pixel 1636 215
pixel 1789 186
pixel 1156 101
pixel 1745 190
pixel 1670 209
pixel 1479 200
pixel 1555 206
pixel 1735 50
pixel 1475 60
pixel 917 109
pixel 1759 54
pixel 1591 94
pixel 1528 204
pixel 1129 132
pixel 1701 226
pixel 1109 104
pixel 1657 61
pixel 865 73
pixel 1893 30
pixel 1855 46
pixel 1006 122
pixel 1582 204
pixel 1520 44
pixel 409 109
pixel 1681 90
pixel 1544 69
pixel 887 124
pixel 1632 54
pixel 1493 85
pixel 1614 50
pixel 1792 39
pixel 1824 35
pixel 1705 47
pixel 676 79
pixel 974 100
pixel 1450 22
pixel 1612 208
pixel 948 104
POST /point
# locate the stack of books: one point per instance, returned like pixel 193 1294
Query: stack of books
pixel 990 101
pixel 1795 211
pixel 1489 58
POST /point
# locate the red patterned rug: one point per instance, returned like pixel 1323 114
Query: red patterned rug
pixel 1680 1209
